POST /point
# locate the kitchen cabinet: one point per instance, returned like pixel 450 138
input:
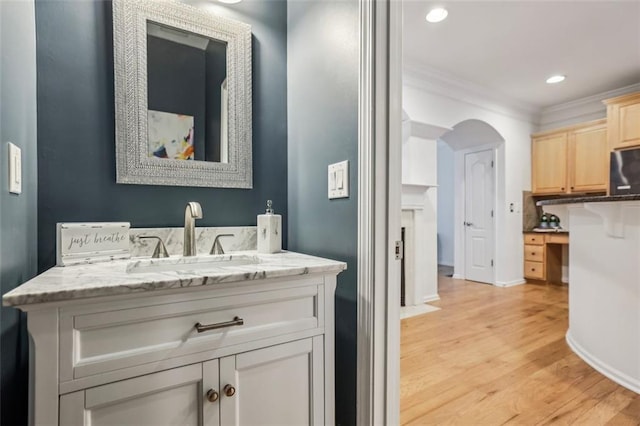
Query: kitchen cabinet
pixel 570 160
pixel 623 118
pixel 543 256
pixel 281 384
pixel 589 159
pixel 549 164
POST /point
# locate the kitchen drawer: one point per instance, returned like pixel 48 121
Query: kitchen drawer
pixel 534 253
pixel 94 343
pixel 558 238
pixel 534 270
pixel 534 239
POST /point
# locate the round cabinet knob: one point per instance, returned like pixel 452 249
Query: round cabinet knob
pixel 212 395
pixel 229 390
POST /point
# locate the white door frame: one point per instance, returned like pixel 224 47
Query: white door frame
pixel 460 206
pixel 379 209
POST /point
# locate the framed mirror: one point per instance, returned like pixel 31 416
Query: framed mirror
pixel 182 96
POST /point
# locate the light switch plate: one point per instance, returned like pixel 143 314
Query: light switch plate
pixel 15 169
pixel 338 180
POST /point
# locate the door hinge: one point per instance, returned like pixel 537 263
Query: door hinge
pixel 491 213
pixel 492 263
pixel 399 250
pixel 492 164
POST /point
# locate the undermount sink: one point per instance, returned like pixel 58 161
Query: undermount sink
pixel 186 264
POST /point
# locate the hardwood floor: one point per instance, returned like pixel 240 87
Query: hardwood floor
pixel 498 356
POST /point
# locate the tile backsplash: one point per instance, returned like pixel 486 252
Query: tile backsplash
pixel 244 238
pixel 530 212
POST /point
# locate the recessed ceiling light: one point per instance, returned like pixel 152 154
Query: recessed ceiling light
pixel 437 15
pixel 230 1
pixel 555 79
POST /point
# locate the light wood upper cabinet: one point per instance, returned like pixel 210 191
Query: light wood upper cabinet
pixel 549 164
pixel 571 160
pixel 589 159
pixel 623 117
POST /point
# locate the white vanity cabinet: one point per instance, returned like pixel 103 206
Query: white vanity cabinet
pixel 266 357
pixel 281 384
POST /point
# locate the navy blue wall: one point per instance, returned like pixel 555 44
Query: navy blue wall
pixel 76 146
pixel 323 129
pixel 175 78
pixel 18 239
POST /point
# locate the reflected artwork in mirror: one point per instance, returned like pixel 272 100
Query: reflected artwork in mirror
pixel 183 96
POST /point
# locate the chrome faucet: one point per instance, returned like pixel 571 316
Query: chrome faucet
pixel 191 213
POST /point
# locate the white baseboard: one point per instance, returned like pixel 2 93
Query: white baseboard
pixel 617 376
pixel 457 277
pixel 431 298
pixel 445 264
pixel 510 283
pixel 565 280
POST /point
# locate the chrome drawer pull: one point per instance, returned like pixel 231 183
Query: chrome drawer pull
pixel 202 328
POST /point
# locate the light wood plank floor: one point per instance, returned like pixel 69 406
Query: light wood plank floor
pixel 494 356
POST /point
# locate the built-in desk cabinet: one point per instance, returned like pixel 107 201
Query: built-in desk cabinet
pixel 570 160
pixel 623 118
pixel 543 256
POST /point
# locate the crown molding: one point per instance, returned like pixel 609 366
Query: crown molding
pixel 437 82
pixel 580 110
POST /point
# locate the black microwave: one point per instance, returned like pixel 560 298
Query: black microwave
pixel 624 175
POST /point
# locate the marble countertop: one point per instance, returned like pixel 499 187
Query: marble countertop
pixel 114 278
pixel 589 199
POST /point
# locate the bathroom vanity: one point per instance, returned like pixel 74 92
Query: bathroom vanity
pixel 210 340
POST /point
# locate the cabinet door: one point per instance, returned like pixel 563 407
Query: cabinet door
pixel 172 397
pixel 549 164
pixel 625 123
pixel 589 159
pixel 278 385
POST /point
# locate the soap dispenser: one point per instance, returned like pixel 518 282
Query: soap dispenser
pixel 269 231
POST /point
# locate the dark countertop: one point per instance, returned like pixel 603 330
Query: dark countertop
pixel 531 231
pixel 589 199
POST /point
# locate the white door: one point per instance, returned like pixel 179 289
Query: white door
pixel 172 397
pixel 279 385
pixel 479 205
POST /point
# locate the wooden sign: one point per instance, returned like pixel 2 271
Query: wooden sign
pixel 92 242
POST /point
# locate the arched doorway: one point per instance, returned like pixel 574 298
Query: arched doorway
pixel 469 180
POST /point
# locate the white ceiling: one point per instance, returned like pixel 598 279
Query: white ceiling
pixel 510 47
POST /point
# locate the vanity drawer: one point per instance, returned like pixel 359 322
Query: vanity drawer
pixel 534 253
pixel 534 270
pixel 534 239
pixel 99 342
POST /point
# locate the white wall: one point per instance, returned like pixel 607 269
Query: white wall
pixel 419 175
pixel 513 164
pixel 446 212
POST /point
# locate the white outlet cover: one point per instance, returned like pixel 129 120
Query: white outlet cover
pixel 15 169
pixel 338 180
